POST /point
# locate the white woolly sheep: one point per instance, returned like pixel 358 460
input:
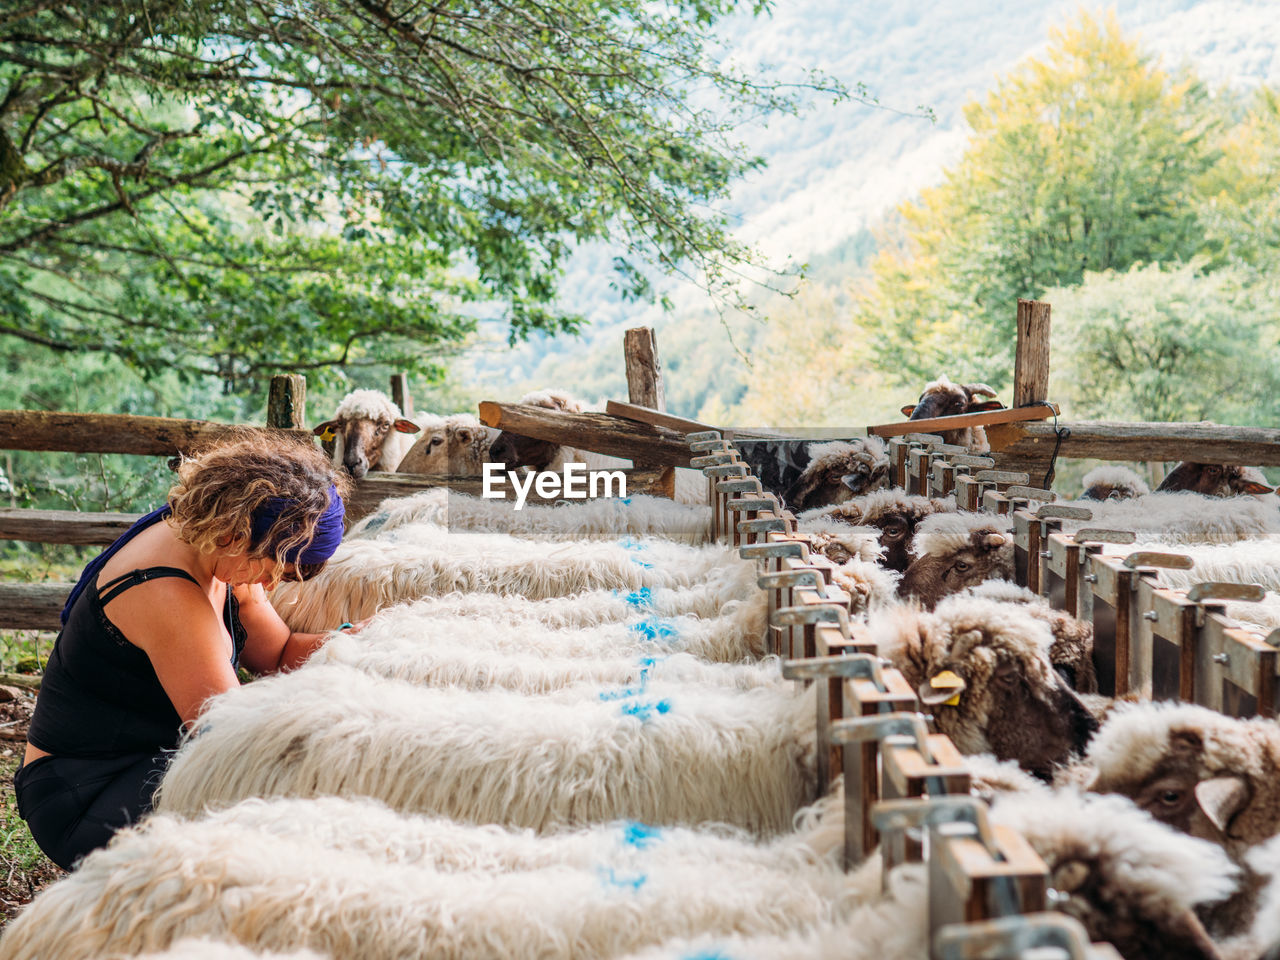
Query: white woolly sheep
pixel 957 550
pixel 1113 482
pixel 369 433
pixel 1131 881
pixel 895 513
pixel 636 515
pixel 666 755
pixel 205 949
pixel 1176 518
pixel 365 576
pixel 1216 480
pixel 840 541
pixel 837 471
pixel 170 878
pixel 870 587
pixel 942 398
pixel 457 445
pixel 1012 704
pixel 1249 561
pixel 1205 774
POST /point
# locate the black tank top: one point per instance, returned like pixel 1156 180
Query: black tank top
pixel 100 696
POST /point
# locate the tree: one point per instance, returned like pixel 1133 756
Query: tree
pixel 1082 160
pixel 238 187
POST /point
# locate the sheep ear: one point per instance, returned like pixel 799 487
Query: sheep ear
pixel 854 481
pixel 942 688
pixel 326 427
pixel 1221 798
pixel 906 411
pixel 979 390
pixel 1252 486
pixel 406 426
pixel 993 540
pixel 1069 876
pixel 984 405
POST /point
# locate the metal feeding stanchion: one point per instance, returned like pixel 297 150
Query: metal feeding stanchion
pixel 1012 938
pixel 1030 530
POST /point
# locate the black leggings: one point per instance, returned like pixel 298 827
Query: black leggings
pixel 74 804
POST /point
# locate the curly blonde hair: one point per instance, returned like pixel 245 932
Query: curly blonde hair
pixel 222 486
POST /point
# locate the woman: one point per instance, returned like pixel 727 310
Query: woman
pixel 160 622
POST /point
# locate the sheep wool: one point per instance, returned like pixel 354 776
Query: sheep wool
pixel 609 518
pixel 1110 481
pixel 1183 518
pixel 365 576
pixel 205 949
pixel 665 755
pixel 170 879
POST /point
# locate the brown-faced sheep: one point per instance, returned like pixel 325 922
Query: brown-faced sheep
pixel 957 550
pixel 1205 774
pixel 983 668
pixel 1112 482
pixel 895 513
pixel 369 433
pixel 1131 881
pixel 942 398
pixel 516 451
pixel 838 471
pixel 1215 480
pixel 1072 651
pixel 457 445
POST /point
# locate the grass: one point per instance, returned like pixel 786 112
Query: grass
pixel 24 870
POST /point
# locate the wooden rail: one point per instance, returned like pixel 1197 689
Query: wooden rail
pixel 597 432
pixel 113 433
pixel 1168 442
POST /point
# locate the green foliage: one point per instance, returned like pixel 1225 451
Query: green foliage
pixel 1083 160
pixel 1170 344
pixel 233 189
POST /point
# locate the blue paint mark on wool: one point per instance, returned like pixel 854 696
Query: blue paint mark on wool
pixel 631 543
pixel 708 955
pixel 639 835
pixel 626 500
pixel 640 598
pixel 624 692
pixel 655 628
pixel 614 879
pixel 645 711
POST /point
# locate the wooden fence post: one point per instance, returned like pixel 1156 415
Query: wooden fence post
pixel 287 402
pixel 400 394
pixel 644 372
pixel 1031 360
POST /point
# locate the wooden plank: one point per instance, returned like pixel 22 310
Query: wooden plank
pixel 1031 358
pixel 376 487
pixel 112 433
pixel 1109 440
pixel 598 432
pixel 64 526
pixel 961 420
pixel 400 394
pixel 644 370
pixel 32 606
pixel 287 402
pixel 630 411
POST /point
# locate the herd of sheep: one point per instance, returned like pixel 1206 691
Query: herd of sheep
pixel 560 736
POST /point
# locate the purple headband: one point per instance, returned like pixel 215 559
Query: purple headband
pixel 328 528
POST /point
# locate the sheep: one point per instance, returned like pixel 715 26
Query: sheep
pixel 169 878
pixel 1001 694
pixel 1112 482
pixel 838 470
pixel 636 515
pixel 870 587
pixel 204 949
pixel 1202 773
pixel 840 541
pixel 409 643
pixel 896 514
pixel 1215 480
pixel 1184 518
pixel 1130 880
pixel 1072 650
pixel 364 576
pixel 957 550
pixel 942 398
pixel 456 445
pixel 666 755
pixel 369 433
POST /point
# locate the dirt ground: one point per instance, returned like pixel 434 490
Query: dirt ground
pixel 24 870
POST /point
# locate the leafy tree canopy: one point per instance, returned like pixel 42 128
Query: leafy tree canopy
pixel 236 188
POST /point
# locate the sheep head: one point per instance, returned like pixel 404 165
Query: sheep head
pixel 1215 480
pixel 955 551
pixel 896 514
pixel 943 398
pixel 839 471
pixel 360 429
pixel 1110 482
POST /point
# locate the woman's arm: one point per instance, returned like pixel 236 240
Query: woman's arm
pixel 271 645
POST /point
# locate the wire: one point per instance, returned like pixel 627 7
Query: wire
pixel 1061 433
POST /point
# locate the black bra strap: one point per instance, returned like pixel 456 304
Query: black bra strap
pixel 112 589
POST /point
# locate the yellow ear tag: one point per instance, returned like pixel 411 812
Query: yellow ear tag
pixel 327 436
pixel 946 680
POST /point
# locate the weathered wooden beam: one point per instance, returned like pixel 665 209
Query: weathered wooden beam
pixel 64 526
pixel 1107 440
pixel 644 370
pixel 598 432
pixel 287 402
pixel 1031 358
pixel 32 606
pixel 373 488
pixel 111 432
pixel 629 411
pixel 400 394
pixel 984 418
